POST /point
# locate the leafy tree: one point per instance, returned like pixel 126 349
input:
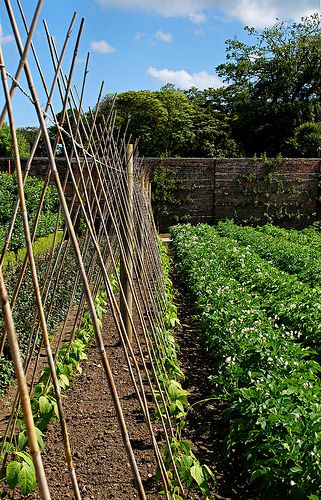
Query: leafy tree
pixel 274 85
pixel 178 137
pixel 145 115
pixel 306 140
pixel 30 135
pixel 6 148
pixel 173 122
pixel 212 125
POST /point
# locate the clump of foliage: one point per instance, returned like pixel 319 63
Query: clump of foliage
pixel 272 87
pixel 306 140
pixel 33 190
pixel 30 134
pixel 290 256
pixel 174 122
pixel 270 101
pixel 6 148
pixel 193 474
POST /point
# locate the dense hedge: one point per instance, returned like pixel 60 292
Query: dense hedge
pixel 33 190
pixel 272 383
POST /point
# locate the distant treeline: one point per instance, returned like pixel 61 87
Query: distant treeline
pixel 269 103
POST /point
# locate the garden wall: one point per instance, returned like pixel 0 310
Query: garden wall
pixel 286 192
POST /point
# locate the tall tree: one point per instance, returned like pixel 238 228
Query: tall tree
pixel 30 135
pixel 6 147
pixel 173 122
pixel 274 84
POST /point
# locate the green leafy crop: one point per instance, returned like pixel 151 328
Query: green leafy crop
pixel 272 383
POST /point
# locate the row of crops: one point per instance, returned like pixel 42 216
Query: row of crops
pixel 58 292
pixel 258 298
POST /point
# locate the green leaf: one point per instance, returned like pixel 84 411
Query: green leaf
pixel 12 471
pixel 64 380
pixel 209 471
pixel 44 405
pixel 26 457
pixel 258 473
pixel 40 438
pixel 56 410
pixel 314 497
pixel 26 479
pixel 185 446
pixel 197 474
pixel 22 440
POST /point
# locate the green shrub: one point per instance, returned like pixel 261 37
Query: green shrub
pixel 33 190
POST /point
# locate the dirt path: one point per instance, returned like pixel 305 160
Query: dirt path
pixel 101 462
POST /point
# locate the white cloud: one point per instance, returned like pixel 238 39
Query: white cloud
pixel 264 13
pixel 163 37
pixel 197 17
pixel 253 12
pixel 5 39
pixel 139 36
pixel 185 80
pixel 102 47
pixel 191 9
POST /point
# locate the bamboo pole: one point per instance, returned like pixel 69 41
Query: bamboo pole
pixel 96 326
pixel 126 272
pixel 14 347
pixel 28 240
pixel 111 296
pixel 24 393
pixel 116 192
pixel 23 58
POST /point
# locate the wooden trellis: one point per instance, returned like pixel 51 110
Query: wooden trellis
pixel 111 198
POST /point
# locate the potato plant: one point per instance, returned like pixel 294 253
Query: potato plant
pixel 292 257
pixel 272 383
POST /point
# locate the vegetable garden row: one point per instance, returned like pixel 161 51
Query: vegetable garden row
pixel 258 298
pixel 62 297
pixel 96 220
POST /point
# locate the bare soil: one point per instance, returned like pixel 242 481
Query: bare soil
pixel 101 462
pixel 102 467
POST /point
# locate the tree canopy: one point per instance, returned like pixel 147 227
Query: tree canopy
pixel 173 122
pixel 269 103
pixel 274 84
pixel 6 148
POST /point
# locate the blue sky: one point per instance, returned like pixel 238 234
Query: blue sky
pixel 142 44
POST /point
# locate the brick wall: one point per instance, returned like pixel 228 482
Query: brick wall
pixel 250 191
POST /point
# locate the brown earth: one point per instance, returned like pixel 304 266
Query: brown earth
pixel 101 462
